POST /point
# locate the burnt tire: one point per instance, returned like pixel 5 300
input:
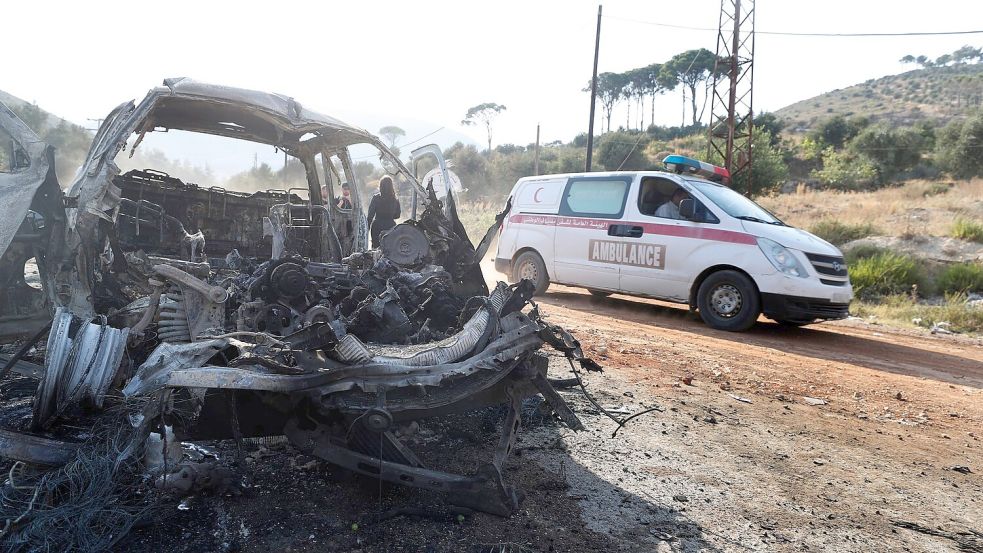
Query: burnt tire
pixel 599 293
pixel 529 265
pixel 728 300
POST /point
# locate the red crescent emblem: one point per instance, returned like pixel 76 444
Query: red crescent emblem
pixel 535 196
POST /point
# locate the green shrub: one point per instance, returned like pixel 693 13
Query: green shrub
pixel 845 171
pixel 623 151
pixel 961 277
pixel 837 130
pixel 886 273
pixel 838 233
pixel 967 230
pixel 863 252
pixel 958 146
pixel 890 150
pixel 769 170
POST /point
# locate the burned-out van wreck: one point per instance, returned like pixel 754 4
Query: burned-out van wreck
pixel 162 306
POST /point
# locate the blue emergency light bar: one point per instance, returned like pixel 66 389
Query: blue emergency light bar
pixel 681 164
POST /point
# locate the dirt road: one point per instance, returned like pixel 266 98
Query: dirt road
pixel 841 436
pixel 885 455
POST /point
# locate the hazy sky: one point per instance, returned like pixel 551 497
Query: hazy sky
pixel 420 65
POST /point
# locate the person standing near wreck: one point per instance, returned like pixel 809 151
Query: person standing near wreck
pixel 383 210
pixel 345 200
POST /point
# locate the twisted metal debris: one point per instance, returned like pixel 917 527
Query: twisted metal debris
pixel 224 315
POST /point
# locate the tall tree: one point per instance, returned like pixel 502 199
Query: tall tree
pixel 908 59
pixel 967 54
pixel 484 114
pixel 692 68
pixel 609 87
pixel 627 93
pixel 657 82
pixel 638 87
pixel 391 133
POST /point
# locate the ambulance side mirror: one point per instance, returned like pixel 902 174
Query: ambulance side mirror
pixel 687 208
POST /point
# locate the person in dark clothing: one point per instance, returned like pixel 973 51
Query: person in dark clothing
pixel 383 210
pixel 345 201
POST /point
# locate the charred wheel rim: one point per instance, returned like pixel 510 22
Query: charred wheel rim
pixel 726 301
pixel 528 270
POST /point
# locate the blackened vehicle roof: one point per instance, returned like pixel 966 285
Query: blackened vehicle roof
pixel 271 118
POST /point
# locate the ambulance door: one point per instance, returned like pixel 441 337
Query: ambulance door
pixel 589 231
pixel 668 252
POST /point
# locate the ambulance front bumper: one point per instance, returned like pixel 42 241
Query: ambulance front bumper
pixel 782 307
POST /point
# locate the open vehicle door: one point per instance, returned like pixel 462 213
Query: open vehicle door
pixel 30 208
pixel 441 177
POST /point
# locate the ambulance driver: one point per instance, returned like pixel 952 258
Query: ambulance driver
pixel 670 209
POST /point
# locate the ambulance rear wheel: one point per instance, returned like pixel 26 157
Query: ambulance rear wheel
pixel 530 266
pixel 728 300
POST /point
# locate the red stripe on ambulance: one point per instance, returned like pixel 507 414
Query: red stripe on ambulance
pixel 699 233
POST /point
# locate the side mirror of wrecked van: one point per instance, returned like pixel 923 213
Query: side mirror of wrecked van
pixel 687 208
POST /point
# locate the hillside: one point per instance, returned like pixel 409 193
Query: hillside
pixel 71 141
pixel 14 103
pixel 937 93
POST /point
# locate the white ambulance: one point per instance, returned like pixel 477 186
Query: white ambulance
pixel 675 235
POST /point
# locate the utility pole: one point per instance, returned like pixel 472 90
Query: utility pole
pixel 593 93
pixel 535 163
pixel 732 110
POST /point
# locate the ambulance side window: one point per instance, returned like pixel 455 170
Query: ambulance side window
pixel 660 198
pixel 600 197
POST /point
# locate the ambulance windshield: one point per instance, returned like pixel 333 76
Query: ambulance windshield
pixel 734 204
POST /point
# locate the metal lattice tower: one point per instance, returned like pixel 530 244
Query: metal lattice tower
pixel 731 107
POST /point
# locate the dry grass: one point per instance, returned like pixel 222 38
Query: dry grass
pixel 477 217
pixel 916 208
pixel 901 310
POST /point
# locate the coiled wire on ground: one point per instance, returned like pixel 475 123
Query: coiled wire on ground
pixel 173 322
pixel 89 503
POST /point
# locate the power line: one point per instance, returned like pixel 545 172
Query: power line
pixel 926 33
pixel 669 25
pixel 421 138
pixel 630 152
pixel 790 33
pixel 401 145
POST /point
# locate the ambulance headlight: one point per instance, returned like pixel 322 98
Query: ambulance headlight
pixel 781 258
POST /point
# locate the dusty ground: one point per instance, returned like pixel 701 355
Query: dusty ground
pixel 902 409
pixel 869 467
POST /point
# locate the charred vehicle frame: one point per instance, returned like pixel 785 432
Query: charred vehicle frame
pixel 232 315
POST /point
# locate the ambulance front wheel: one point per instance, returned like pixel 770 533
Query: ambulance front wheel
pixel 728 300
pixel 530 266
